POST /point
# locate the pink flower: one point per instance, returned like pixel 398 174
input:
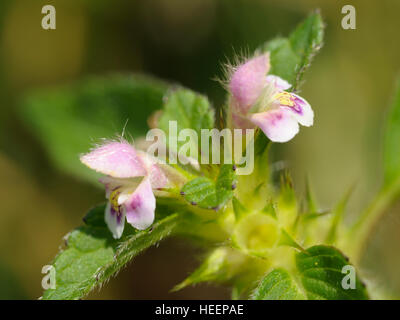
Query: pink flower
pixel 260 100
pixel 131 177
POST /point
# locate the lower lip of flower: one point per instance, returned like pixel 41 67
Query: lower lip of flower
pixel 116 211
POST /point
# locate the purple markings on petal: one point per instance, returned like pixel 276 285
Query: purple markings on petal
pixel 135 202
pixel 115 220
pixel 302 111
pixel 298 105
pixel 112 211
pixel 116 159
pixel 119 216
pixel 248 81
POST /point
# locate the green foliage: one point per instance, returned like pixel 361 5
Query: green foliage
pixel 210 194
pixel 278 285
pixel 92 256
pixel 321 275
pixel 68 120
pixel 189 110
pixel 252 238
pixel 291 56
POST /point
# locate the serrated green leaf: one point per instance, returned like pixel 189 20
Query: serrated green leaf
pixel 278 285
pixel 291 56
pixel 210 194
pixel 92 256
pixel 190 110
pixel 69 119
pixel 320 269
pixel 392 140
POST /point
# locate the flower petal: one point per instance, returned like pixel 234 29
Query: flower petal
pixel 248 81
pixel 279 125
pixel 111 184
pixel 241 122
pixel 157 177
pixel 140 206
pixel 116 159
pixel 302 111
pixel 279 83
pixel 115 220
pixel 153 167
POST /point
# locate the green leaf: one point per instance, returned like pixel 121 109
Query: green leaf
pixel 291 56
pixel 392 141
pixel 320 269
pixel 191 111
pixel 69 119
pixel 210 194
pixel 277 285
pixel 284 60
pixel 92 256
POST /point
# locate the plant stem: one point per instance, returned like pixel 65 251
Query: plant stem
pixel 357 237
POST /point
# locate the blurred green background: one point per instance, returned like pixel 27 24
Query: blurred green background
pixel 349 86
